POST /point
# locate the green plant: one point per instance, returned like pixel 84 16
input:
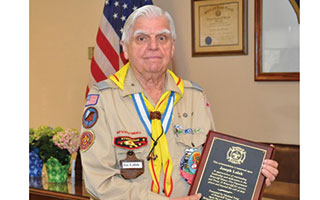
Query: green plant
pixel 31 139
pixel 42 140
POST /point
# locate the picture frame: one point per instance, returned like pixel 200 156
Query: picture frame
pixel 276 41
pixel 219 27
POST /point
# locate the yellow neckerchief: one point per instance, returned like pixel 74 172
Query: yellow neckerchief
pixel 160 149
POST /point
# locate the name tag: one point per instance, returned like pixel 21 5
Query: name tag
pixel 132 165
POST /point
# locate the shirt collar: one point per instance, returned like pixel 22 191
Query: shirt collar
pixel 133 86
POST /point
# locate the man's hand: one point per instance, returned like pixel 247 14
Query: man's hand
pixel 269 170
pixel 192 197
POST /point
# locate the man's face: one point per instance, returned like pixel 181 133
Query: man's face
pixel 150 46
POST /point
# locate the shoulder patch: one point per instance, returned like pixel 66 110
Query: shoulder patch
pixel 90 117
pixel 86 140
pixel 102 85
pixel 92 99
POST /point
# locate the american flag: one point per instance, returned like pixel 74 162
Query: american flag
pixel 108 55
pixel 92 99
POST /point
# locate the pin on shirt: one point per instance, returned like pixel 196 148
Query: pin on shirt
pixel 178 129
pixel 188 131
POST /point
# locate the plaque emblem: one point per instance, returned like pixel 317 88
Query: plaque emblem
pixel 236 155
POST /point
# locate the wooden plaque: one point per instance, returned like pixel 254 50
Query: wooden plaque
pixel 230 168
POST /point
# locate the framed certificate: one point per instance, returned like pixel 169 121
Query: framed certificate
pixel 230 168
pixel 219 27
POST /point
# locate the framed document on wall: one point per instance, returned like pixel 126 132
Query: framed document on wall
pixel 219 27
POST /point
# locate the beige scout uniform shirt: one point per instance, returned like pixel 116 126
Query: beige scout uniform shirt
pixel 117 116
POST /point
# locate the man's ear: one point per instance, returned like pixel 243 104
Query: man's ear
pixel 125 49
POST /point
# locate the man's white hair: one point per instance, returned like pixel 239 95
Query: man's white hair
pixel 146 11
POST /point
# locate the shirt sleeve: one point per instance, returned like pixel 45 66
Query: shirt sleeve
pixel 101 175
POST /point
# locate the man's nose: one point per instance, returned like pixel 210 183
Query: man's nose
pixel 153 44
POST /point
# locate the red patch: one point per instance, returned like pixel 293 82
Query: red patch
pixel 86 140
pixel 130 143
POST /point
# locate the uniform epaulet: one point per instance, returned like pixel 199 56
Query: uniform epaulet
pixel 190 84
pixel 102 85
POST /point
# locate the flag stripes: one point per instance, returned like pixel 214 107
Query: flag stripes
pixel 108 56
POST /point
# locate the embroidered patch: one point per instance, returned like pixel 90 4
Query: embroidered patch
pixel 92 100
pixel 86 140
pixel 90 117
pixel 130 143
pixel 189 163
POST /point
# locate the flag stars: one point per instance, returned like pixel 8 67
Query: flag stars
pixel 123 18
pixel 125 6
pixel 116 4
pixel 121 30
pixel 107 2
pixel 134 8
pixel 115 15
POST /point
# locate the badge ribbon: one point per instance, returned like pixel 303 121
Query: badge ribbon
pixel 155 128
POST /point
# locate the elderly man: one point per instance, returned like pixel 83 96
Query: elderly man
pixel 143 124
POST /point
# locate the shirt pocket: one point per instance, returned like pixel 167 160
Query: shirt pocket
pixel 195 140
pixel 139 152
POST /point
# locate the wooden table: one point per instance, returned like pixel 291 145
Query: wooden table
pixel 40 189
